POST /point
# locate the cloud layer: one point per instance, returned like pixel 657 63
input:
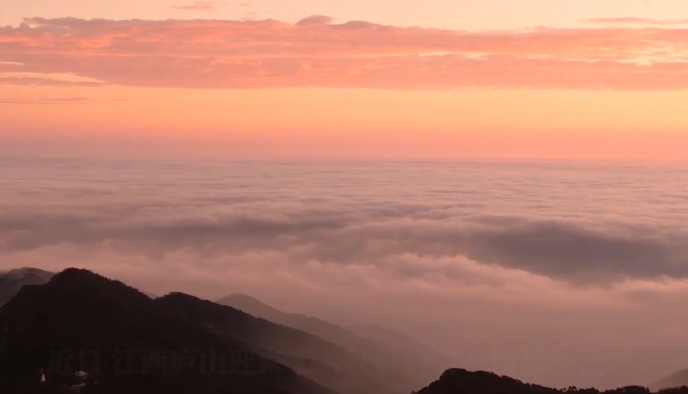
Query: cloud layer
pixel 495 262
pixel 46 101
pixel 638 21
pixel 317 52
pixel 560 226
pixel 197 6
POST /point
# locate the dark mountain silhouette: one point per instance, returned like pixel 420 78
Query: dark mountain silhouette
pixel 12 281
pixel 676 379
pixel 418 363
pixel 129 343
pixel 456 381
pixel 312 356
pixel 179 344
pixel 460 381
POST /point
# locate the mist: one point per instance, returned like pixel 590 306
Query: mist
pixel 552 272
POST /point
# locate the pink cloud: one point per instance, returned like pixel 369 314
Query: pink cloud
pixel 197 6
pixel 317 53
pixel 638 21
pixel 46 101
pixel 315 20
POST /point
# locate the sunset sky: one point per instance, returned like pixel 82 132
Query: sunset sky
pixel 559 273
pixel 385 78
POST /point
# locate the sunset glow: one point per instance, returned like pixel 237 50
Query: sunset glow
pixel 237 79
pixel 344 196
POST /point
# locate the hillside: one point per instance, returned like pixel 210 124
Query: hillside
pixel 459 381
pixel 312 356
pixel 313 325
pixel 406 345
pixel 676 379
pixel 12 281
pixel 130 343
pixel 419 364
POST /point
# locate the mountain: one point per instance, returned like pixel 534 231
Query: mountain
pixel 459 381
pixel 12 281
pixel 406 345
pixel 415 361
pixel 309 355
pixel 126 341
pixel 249 304
pixel 677 379
pixel 149 295
pixel 325 330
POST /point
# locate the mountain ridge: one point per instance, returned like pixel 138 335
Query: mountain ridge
pixel 79 311
pixel 414 363
pixel 461 381
pixel 404 342
pixel 676 379
pixel 310 355
pixel 11 281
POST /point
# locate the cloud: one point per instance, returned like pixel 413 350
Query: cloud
pixel 197 6
pixel 66 100
pixel 46 101
pixel 552 273
pixel 638 21
pixel 594 248
pixel 318 53
pixel 315 20
pixel 38 81
pixel 12 74
pixel 561 250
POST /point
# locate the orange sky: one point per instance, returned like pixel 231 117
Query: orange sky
pixel 219 78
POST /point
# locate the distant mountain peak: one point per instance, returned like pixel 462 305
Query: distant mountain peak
pixel 245 297
pixel 416 361
pixel 24 270
pixel 676 379
pixel 242 295
pixel 251 305
pixel 12 281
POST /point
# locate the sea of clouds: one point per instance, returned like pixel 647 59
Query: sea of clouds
pixel 558 273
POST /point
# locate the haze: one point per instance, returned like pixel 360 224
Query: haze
pixel 555 273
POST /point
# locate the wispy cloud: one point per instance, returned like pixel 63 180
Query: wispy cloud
pixel 638 21
pixel 197 6
pixel 315 20
pixel 66 100
pixel 318 53
pixel 46 101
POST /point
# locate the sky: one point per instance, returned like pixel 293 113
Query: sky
pixel 256 146
pixel 529 79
